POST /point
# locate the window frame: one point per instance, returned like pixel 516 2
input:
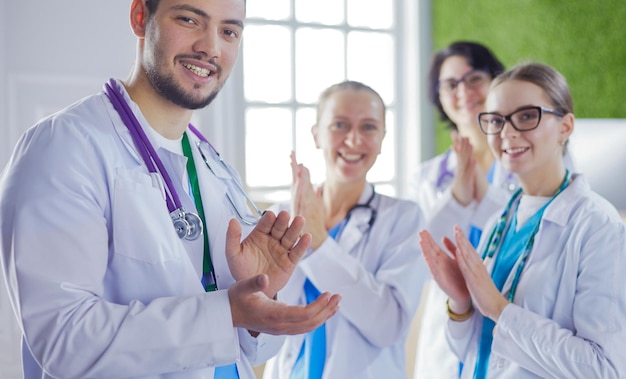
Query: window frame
pixel 224 120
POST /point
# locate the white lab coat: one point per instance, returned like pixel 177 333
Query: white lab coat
pixel 379 274
pixel 434 358
pixel 102 285
pixel 568 319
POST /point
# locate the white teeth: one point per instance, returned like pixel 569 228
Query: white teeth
pixel 198 70
pixel 351 157
pixel 515 150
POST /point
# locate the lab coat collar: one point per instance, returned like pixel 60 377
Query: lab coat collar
pixel 558 212
pixel 121 129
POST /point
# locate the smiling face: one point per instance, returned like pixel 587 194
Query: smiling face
pixel 350 131
pixel 464 103
pixel 535 156
pixel 190 48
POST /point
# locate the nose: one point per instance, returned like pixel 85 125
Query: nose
pixel 462 89
pixel 353 138
pixel 508 129
pixel 208 43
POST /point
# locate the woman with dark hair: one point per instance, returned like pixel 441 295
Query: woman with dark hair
pixel 463 186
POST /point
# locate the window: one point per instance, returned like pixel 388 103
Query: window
pixel 292 50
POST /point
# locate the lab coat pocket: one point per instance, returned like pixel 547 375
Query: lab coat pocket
pixel 142 226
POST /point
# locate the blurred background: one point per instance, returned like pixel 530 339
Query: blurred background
pixel 53 53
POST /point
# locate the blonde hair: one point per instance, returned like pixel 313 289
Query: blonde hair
pixel 348 85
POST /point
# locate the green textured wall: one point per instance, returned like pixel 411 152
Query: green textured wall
pixel 585 40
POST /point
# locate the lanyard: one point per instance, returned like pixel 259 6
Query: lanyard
pixel 208 274
pixel 497 235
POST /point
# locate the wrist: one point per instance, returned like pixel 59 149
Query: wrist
pixel 458 317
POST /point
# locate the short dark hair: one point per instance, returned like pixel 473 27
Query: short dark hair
pixel 478 56
pixel 153 4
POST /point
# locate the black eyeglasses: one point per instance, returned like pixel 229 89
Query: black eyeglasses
pixel 523 120
pixel 472 79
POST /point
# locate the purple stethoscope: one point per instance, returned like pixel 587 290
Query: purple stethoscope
pixel 446 175
pixel 188 225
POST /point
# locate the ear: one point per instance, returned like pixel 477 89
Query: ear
pixel 314 132
pixel 567 127
pixel 138 17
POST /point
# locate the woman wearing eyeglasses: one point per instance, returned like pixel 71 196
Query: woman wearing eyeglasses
pixel 364 246
pixel 464 186
pixel 547 298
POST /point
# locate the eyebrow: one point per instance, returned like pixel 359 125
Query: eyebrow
pixel 203 14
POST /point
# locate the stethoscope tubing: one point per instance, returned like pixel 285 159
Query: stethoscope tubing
pixel 145 148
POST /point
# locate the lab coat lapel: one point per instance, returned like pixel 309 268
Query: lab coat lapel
pixel 122 130
pixel 217 209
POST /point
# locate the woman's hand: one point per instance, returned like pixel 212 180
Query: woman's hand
pixel 464 183
pixel 485 295
pixel 445 270
pixel 308 203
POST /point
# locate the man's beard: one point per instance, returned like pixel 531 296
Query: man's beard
pixel 167 87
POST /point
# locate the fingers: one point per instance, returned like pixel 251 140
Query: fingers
pixel 427 243
pixel 450 246
pixel 266 222
pixel 294 166
pixel 469 262
pixel 297 251
pixel 303 319
pixel 256 312
pixel 233 237
pixel 464 245
pixel 288 235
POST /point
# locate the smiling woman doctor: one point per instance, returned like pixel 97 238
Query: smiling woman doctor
pixel 122 229
pixel 547 299
pixel 364 247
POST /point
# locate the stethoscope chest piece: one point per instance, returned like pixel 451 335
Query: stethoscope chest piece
pixel 187 225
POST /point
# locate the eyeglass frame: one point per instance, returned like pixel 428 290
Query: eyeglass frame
pixel 508 118
pixel 462 79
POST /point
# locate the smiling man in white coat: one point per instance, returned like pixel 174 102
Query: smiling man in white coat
pixel 123 244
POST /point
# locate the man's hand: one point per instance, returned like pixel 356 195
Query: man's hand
pixel 253 310
pixel 274 247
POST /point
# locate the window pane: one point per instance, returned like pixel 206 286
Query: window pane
pixel 370 13
pixel 319 62
pixel 384 168
pixel 267 63
pixel 306 152
pixel 378 73
pixel 268 144
pixel 328 12
pixel 269 10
